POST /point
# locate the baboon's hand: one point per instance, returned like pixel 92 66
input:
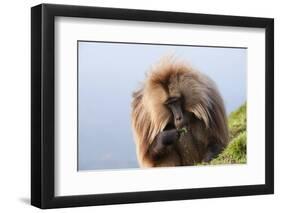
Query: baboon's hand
pixel 163 140
pixel 168 137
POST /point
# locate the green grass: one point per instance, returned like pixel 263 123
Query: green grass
pixel 236 151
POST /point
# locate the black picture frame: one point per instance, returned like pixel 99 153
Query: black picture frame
pixel 43 113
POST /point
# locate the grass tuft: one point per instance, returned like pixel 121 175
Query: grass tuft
pixel 236 151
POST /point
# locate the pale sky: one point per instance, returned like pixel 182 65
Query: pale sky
pixel 108 73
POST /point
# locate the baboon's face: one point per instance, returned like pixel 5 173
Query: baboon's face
pixel 175 103
pixel 176 107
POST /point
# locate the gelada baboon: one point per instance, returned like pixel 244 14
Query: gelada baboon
pixel 175 97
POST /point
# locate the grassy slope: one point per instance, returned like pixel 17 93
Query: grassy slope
pixel 235 152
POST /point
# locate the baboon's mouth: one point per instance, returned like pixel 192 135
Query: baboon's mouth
pixel 169 126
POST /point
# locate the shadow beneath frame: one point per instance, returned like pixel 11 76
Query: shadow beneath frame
pixel 25 200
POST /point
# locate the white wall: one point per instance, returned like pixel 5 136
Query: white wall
pixel 15 105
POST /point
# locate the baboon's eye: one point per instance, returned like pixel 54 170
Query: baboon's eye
pixel 171 100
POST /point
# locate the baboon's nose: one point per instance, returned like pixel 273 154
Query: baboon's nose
pixel 178 118
pixel 179 123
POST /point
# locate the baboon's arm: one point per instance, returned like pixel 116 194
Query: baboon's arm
pixel 162 141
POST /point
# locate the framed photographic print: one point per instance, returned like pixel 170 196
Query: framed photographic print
pixel 140 106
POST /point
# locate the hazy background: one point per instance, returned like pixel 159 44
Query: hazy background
pixel 108 73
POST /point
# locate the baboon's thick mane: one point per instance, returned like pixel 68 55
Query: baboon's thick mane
pixel 150 116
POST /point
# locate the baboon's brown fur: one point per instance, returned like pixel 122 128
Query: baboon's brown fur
pixel 201 99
